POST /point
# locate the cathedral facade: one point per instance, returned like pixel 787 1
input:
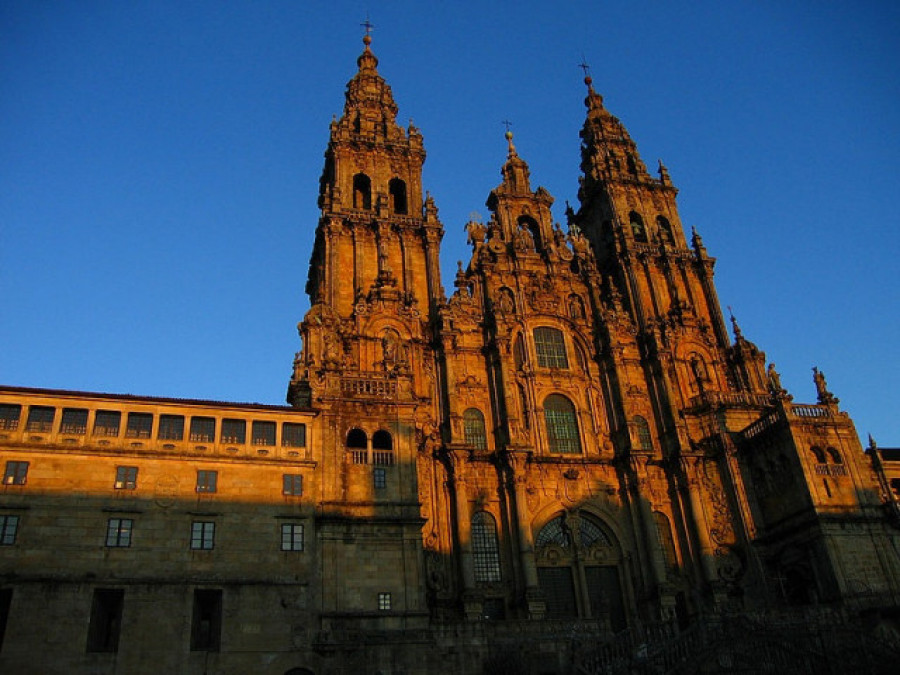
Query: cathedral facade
pixel 566 463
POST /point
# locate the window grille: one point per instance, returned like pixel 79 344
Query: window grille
pixel 551 348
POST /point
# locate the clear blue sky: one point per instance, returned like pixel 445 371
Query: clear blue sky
pixel 160 165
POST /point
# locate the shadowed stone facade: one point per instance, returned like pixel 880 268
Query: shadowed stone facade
pixel 566 465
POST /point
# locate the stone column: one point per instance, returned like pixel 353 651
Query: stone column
pixel 534 600
pixel 471 604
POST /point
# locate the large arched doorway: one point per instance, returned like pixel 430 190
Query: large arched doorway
pixel 578 561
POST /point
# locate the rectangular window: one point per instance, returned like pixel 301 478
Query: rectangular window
pixel 379 478
pixel 74 421
pixel 264 433
pixel 9 416
pixel 5 602
pixel 16 473
pixel 203 429
pixel 203 536
pixel 9 526
pixel 234 431
pixel 139 425
pixel 171 428
pixel 293 435
pixel 106 620
pixel 40 418
pixel 106 423
pixel 206 623
pixel 293 484
pixel 551 347
pixel 206 481
pixel 126 478
pixel 384 602
pixel 118 532
pixel 291 537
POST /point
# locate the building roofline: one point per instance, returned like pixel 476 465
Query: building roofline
pixel 68 393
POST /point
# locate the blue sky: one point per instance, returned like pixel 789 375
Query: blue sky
pixel 160 163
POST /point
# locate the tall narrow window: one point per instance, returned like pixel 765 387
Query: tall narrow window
pixel 384 602
pixel 397 188
pixel 292 484
pixel 362 192
pixel 379 478
pixel 107 422
pixel 118 532
pixel 551 348
pixel 293 435
pixel 234 431
pixel 139 425
pixel 171 427
pixel 382 448
pixel 666 540
pixel 126 478
pixel 562 424
pixel 358 446
pixel 203 429
pixel 40 418
pixel 291 537
pixel 16 473
pixel 203 536
pixel 106 620
pixel 9 526
pixel 206 622
pixel 474 429
pixel 485 548
pixel 263 433
pixel 9 416
pixel 74 421
pixel 207 480
pixel 645 441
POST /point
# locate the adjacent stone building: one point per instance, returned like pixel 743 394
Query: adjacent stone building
pixel 565 465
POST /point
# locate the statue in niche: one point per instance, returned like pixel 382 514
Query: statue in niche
pixel 331 352
pixel 390 345
pixel 524 240
pixel 506 304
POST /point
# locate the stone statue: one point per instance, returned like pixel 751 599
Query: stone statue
pixel 825 397
pixel 524 239
pixel 773 379
pixel 476 232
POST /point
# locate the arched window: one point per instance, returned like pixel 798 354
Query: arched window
pixel 645 441
pixel 637 227
pixel 581 357
pixel 578 569
pixel 562 424
pixel 819 455
pixel 666 540
pixel 485 548
pixel 357 446
pixel 362 192
pixel 632 165
pixel 397 189
pixel 551 347
pixel 382 448
pixel 835 455
pixel 665 229
pixel 474 430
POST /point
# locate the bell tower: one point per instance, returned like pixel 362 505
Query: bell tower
pixel 374 273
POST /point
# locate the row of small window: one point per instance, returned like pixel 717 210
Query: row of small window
pixel 107 424
pixel 16 473
pixel 120 532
